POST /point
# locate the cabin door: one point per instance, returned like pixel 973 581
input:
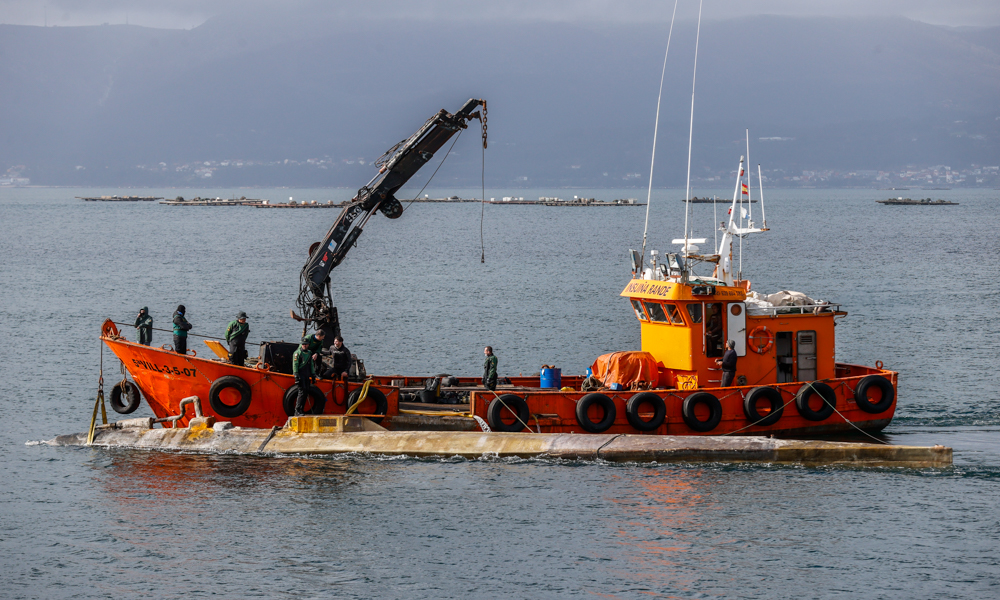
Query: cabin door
pixel 806 350
pixel 713 329
pixel 736 326
pixel 785 354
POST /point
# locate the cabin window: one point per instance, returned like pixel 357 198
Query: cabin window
pixel 695 311
pixel 655 312
pixel 637 307
pixel 674 314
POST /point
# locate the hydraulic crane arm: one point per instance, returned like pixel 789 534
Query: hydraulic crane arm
pixel 396 167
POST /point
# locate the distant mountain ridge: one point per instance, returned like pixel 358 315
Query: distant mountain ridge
pixel 569 104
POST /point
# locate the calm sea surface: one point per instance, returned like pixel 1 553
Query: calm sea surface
pixel 920 284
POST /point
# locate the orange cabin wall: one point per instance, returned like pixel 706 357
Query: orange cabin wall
pixel 681 348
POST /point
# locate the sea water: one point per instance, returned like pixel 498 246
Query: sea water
pixel 920 284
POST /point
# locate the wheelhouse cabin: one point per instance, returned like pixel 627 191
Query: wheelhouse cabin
pixel 685 326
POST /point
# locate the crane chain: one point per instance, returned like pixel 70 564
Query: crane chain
pixel 483 122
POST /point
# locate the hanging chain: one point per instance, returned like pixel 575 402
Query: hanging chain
pixel 483 121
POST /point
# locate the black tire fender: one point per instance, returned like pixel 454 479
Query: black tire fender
pixel 824 391
pixel 861 394
pixel 315 394
pixel 381 402
pixel 131 394
pixel 757 394
pixel 714 408
pixel 513 403
pixel 583 408
pixel 229 410
pixel 659 411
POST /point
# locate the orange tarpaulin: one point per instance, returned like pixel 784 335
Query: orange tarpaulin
pixel 626 368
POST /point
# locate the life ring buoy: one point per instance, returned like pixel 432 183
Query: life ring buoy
pixel 510 403
pixel 632 411
pixel 714 411
pixel 772 396
pixel 118 395
pixel 885 388
pixel 765 337
pixel 222 408
pixel 315 394
pixel 376 396
pixel 826 394
pixel 583 413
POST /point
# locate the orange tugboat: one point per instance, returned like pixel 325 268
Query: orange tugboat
pixel 787 382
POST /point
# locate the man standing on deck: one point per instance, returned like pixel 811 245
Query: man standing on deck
pixel 236 336
pixel 728 364
pixel 316 351
pixel 181 328
pixel 302 365
pixel 341 359
pixel 490 369
pixel 144 326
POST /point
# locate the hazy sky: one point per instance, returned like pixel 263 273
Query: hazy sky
pixel 191 13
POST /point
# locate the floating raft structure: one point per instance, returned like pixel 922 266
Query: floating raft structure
pixel 921 202
pixel 311 204
pixel 697 200
pixel 120 198
pixel 198 201
pixel 339 434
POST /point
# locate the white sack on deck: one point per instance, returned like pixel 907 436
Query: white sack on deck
pixel 789 298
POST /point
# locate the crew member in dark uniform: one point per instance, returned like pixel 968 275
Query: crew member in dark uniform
pixel 490 369
pixel 728 363
pixel 341 358
pixel 236 336
pixel 316 349
pixel 181 328
pixel 144 326
pixel 302 364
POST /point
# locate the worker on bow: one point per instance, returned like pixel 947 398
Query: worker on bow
pixel 181 328
pixel 236 337
pixel 144 326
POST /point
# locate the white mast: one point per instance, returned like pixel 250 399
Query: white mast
pixel 687 193
pixel 656 127
pixel 760 182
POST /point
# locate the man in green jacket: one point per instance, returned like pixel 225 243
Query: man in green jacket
pixel 302 369
pixel 181 328
pixel 316 350
pixel 236 336
pixel 144 326
pixel 490 369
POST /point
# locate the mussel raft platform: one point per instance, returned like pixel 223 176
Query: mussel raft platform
pixel 337 434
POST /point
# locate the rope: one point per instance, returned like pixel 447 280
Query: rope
pixel 482 205
pixel 435 170
pixel 810 384
pixel 361 397
pixel 99 401
pixel 517 416
pixel 171 331
pixel 762 418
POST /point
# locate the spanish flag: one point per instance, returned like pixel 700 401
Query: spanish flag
pixel 746 191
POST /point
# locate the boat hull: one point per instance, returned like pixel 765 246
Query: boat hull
pixel 555 412
pixel 165 378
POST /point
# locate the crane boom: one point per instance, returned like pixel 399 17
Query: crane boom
pixel 396 167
